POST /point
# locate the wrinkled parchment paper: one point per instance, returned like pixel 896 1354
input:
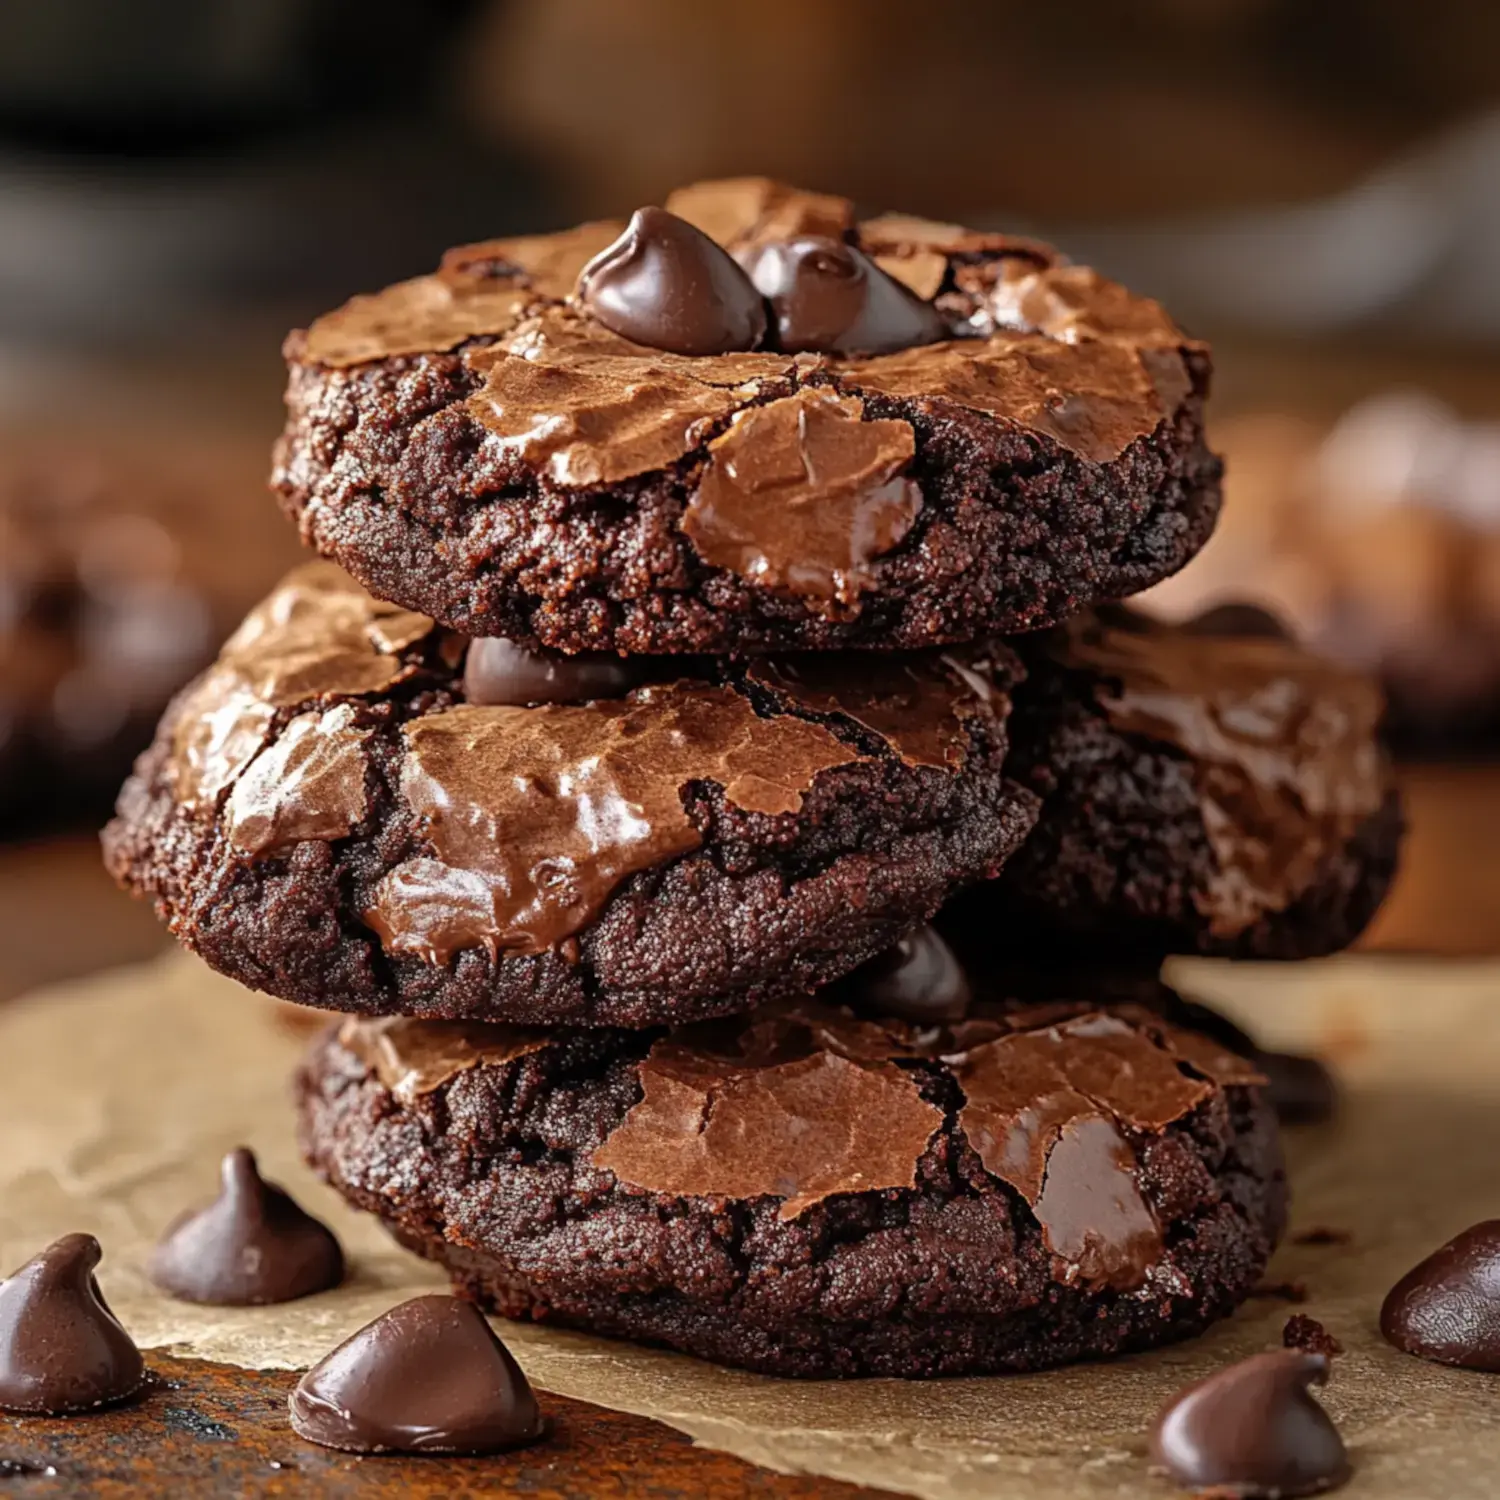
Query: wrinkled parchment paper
pixel 120 1093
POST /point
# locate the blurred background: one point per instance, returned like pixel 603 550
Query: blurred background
pixel 1314 187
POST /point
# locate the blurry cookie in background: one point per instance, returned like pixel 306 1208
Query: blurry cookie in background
pixel 123 563
pixel 1376 540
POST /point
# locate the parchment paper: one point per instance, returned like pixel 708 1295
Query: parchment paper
pixel 120 1094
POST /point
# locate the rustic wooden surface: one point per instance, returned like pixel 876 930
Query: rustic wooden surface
pixel 212 1430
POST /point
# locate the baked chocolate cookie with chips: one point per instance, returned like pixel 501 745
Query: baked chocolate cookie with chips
pixel 817 1191
pixel 749 421
pixel 356 809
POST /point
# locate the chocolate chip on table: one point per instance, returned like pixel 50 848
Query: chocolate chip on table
pixel 829 298
pixel 1239 618
pixel 498 671
pixel 429 1376
pixel 666 285
pixel 1303 1091
pixel 1253 1430
pixel 1447 1309
pixel 61 1349
pixel 917 979
pixel 253 1245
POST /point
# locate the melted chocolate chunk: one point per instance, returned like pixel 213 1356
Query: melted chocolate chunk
pixel 1253 1430
pixel 1447 1309
pixel 829 298
pixel 666 285
pixel 61 1348
pixel 251 1246
pixel 429 1376
pixel 499 671
pixel 535 815
pixel 918 979
pixel 804 494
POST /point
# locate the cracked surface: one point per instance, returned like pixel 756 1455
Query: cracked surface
pixel 489 1171
pixel 744 904
pixel 469 446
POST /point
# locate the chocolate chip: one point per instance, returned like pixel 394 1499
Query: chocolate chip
pixel 829 298
pixel 1239 618
pixel 499 671
pixel 1303 1091
pixel 918 979
pixel 61 1348
pixel 1253 1430
pixel 666 285
pixel 1448 1308
pixel 251 1246
pixel 429 1376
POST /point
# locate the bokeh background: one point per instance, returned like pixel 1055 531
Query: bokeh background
pixel 1314 187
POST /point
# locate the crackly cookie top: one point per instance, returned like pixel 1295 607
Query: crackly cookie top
pixel 743 330
pixel 1284 745
pixel 534 785
pixel 804 1101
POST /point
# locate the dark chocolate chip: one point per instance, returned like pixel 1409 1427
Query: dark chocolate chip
pixel 429 1376
pixel 499 671
pixel 666 285
pixel 61 1348
pixel 918 979
pixel 1253 1430
pixel 1303 1091
pixel 828 298
pixel 252 1245
pixel 1239 618
pixel 1448 1308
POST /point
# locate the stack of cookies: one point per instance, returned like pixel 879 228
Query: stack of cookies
pixel 710 770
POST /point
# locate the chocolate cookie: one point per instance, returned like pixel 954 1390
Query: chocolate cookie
pixel 809 1193
pixel 1201 793
pixel 346 813
pixel 113 591
pixel 888 433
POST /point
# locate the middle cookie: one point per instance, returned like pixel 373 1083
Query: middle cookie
pixel 329 815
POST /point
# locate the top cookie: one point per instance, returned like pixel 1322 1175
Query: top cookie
pixel 887 433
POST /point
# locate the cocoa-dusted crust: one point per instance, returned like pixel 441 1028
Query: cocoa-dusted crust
pixel 1121 855
pixel 387 469
pixel 769 905
pixel 489 1175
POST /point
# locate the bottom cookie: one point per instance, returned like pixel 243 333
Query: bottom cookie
pixel 807 1192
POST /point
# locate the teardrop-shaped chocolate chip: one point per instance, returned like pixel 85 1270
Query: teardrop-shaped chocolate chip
pixel 665 284
pixel 498 671
pixel 917 979
pixel 61 1349
pixel 1448 1308
pixel 829 298
pixel 1240 618
pixel 253 1245
pixel 1253 1430
pixel 429 1376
